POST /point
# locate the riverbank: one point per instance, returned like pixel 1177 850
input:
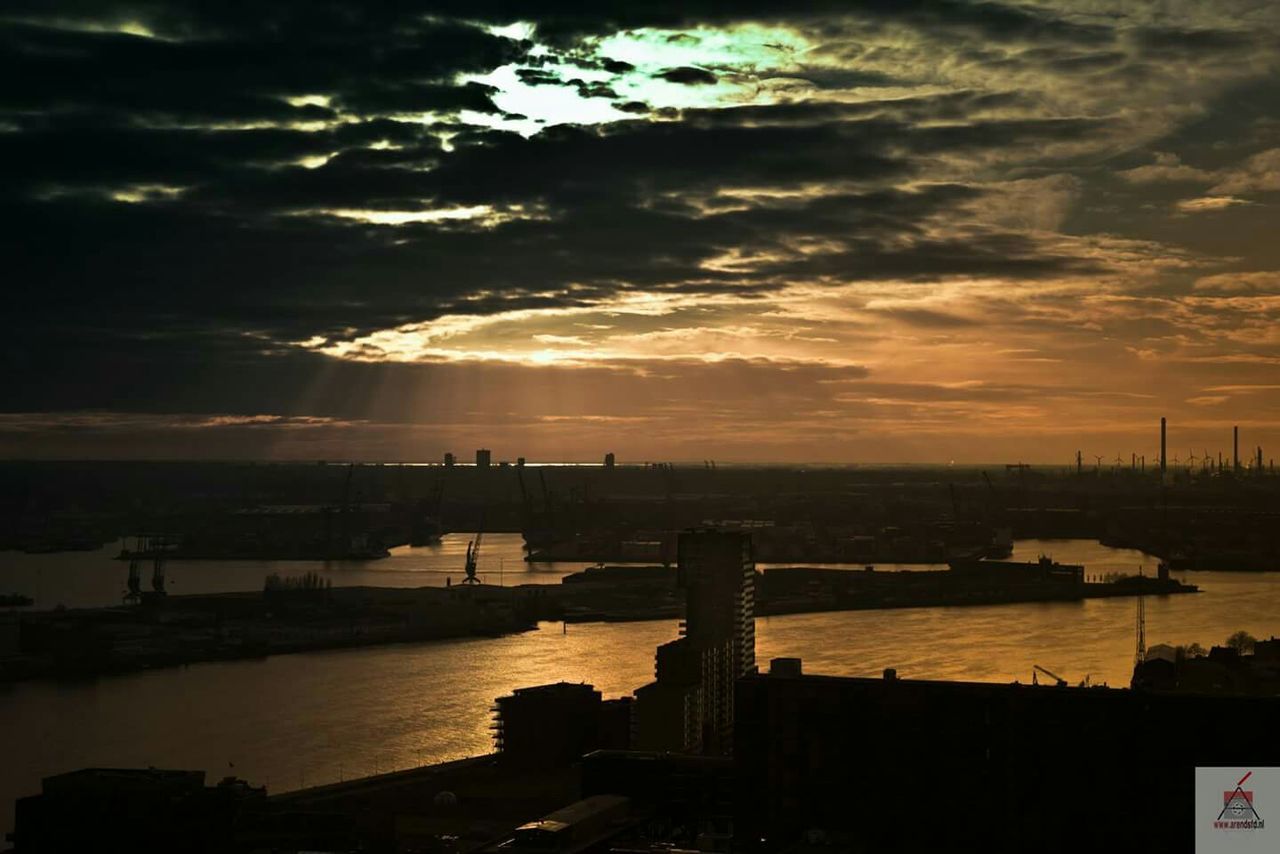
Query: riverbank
pixel 625 594
pixel 168 631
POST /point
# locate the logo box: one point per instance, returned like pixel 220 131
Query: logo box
pixel 1237 810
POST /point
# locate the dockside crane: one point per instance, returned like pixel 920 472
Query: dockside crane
pixel 473 556
pixel 157 568
pixel 156 546
pixel 1058 680
pixel 526 502
pixel 133 593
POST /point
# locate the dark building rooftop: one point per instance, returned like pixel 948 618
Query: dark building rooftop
pixel 135 810
pixel 547 726
pixel 987 765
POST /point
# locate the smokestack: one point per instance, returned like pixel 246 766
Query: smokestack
pixel 1162 448
pixel 1078 463
pixel 1235 449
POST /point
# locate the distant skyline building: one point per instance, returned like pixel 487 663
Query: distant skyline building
pixel 608 460
pixel 449 459
pixel 483 457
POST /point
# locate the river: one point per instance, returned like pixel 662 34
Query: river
pixel 95 579
pixel 305 719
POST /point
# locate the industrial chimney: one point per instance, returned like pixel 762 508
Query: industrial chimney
pixel 1162 448
pixel 1235 449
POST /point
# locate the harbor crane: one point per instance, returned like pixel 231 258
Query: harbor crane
pixel 473 556
pixel 1058 680
pixel 157 570
pixel 133 595
pixel 156 546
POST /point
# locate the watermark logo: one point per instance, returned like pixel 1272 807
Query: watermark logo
pixel 1238 809
pixel 1229 808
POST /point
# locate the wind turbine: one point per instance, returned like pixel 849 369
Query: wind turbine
pixel 1191 461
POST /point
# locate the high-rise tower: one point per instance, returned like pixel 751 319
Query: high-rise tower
pixel 689 707
pixel 717 572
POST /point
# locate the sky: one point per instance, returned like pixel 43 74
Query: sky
pixel 881 231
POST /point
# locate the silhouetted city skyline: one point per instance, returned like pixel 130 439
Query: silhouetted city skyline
pixel 641 428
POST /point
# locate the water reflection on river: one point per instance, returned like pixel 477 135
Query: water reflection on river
pixel 310 718
pixel 96 579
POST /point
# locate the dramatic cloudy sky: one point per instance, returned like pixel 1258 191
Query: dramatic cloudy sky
pixel 892 230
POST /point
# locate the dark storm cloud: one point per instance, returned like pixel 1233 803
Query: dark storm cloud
pixel 562 19
pixel 957 106
pixel 998 255
pixel 688 76
pixel 243 250
pixel 1182 42
pixel 227 258
pixel 538 77
pixel 243 78
pixel 579 165
pixel 999 21
pixel 382 97
pixel 927 318
pixel 562 167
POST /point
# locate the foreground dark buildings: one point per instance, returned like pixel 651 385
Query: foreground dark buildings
pixel 820 763
pixel 112 809
pixel 896 764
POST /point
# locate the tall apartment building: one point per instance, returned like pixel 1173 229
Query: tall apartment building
pixel 689 707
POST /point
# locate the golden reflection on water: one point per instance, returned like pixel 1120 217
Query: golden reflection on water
pixel 311 718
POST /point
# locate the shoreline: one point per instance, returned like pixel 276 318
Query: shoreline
pixel 184 630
